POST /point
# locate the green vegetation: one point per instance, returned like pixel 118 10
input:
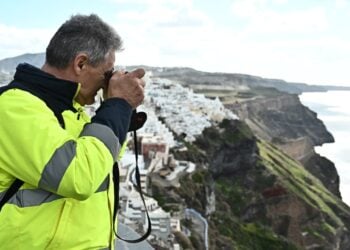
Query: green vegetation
pixel 328 228
pixel 183 240
pixel 158 195
pixel 196 241
pixel 264 238
pixel 232 193
pixel 193 153
pixel 233 199
pixel 232 96
pixel 245 94
pixel 248 236
pixel 266 91
pixel 167 202
pixel 229 132
pixel 299 181
pixel 193 189
pixel 235 133
pixel 199 176
pixel 251 176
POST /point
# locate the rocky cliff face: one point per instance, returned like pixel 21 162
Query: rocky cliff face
pixel 271 190
pixel 264 199
pixel 325 170
pixel 282 120
pixel 194 77
pixel 274 114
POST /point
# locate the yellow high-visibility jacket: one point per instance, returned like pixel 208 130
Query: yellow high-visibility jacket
pixel 67 199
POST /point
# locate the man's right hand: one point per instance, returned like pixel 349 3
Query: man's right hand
pixel 129 87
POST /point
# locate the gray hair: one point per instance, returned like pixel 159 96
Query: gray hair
pixel 82 33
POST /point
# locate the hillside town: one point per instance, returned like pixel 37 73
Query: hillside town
pixel 172 112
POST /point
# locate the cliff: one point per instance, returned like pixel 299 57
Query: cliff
pixel 194 78
pixel 282 120
pixel 270 189
pixel 272 109
pixel 264 199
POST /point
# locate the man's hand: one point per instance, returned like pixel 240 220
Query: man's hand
pixel 129 87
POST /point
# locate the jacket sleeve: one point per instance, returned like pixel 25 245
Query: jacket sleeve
pixel 115 113
pixel 35 149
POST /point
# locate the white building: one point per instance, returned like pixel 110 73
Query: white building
pixel 187 114
pixel 160 224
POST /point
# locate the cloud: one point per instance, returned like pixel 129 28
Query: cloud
pixel 167 13
pixel 247 8
pixel 294 44
pixel 341 3
pixel 312 20
pixel 169 33
pixel 261 16
pixel 154 2
pixel 15 41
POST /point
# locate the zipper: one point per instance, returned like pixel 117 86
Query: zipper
pixel 80 111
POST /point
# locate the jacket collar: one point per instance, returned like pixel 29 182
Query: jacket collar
pixel 42 81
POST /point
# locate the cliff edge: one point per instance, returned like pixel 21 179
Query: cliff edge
pixel 264 199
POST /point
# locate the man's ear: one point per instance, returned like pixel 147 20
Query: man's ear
pixel 80 62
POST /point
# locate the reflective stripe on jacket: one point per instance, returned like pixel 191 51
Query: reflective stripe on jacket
pixel 66 201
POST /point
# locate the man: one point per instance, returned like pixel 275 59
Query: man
pixel 65 159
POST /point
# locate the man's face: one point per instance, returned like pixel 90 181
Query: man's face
pixel 94 78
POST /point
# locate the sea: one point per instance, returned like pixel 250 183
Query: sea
pixel 333 108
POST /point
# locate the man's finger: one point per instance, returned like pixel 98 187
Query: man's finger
pixel 139 73
pixel 119 73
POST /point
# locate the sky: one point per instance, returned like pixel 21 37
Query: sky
pixel 297 41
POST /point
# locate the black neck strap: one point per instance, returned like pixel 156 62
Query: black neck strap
pixel 138 188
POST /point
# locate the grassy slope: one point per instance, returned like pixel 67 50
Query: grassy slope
pixel 301 182
pixel 228 228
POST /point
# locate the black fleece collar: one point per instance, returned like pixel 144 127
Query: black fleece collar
pixel 45 83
